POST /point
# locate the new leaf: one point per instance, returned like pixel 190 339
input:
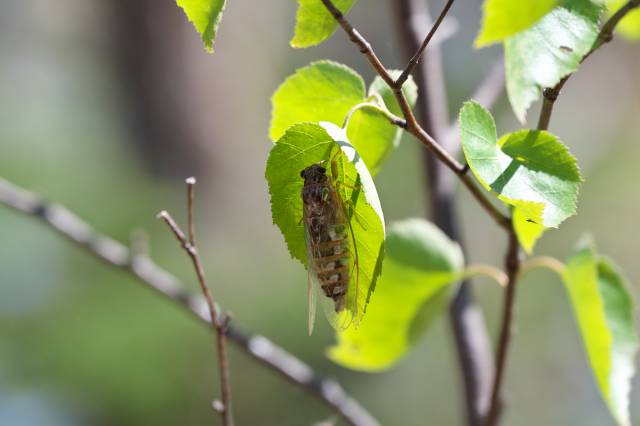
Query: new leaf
pixel 327 91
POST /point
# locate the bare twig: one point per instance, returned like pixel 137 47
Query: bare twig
pixel 416 57
pixel 217 322
pixel 512 266
pixel 550 95
pixel 413 126
pixel 148 273
pixel 467 323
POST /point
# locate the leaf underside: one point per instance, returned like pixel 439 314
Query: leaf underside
pixel 604 311
pixel 314 23
pixel 205 15
pixel 542 55
pixel 420 263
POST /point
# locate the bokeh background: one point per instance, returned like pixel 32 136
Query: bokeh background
pixel 106 106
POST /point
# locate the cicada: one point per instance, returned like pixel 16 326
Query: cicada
pixel 331 248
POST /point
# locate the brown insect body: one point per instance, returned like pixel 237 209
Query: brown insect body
pixel 327 235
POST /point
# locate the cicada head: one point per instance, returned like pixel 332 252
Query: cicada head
pixel 314 174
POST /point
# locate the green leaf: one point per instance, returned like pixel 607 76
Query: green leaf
pixel 327 91
pixel 530 170
pixel 370 131
pixel 504 18
pixel 321 91
pixel 420 263
pixel 629 26
pixel 604 311
pixel 305 144
pixel 205 15
pixel 542 55
pixel 314 23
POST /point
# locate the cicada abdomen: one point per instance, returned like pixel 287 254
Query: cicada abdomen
pixel 328 239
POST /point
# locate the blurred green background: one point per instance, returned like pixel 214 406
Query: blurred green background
pixel 107 105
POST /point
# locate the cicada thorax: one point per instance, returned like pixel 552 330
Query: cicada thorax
pixel 327 234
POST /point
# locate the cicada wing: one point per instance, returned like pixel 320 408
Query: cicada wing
pixel 312 279
pixel 337 316
pixel 311 300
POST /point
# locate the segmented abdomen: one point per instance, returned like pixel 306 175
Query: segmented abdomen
pixel 327 230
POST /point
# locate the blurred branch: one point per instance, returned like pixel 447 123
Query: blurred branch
pixel 218 323
pixel 79 232
pixel 550 95
pixel 416 57
pixel 413 126
pixel 512 265
pixel 467 323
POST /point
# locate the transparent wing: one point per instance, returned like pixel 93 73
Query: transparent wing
pixel 312 283
pixel 341 313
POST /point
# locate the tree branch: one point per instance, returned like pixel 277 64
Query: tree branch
pixel 148 273
pixel 416 57
pixel 512 266
pixel 413 126
pixel 470 336
pixel 218 323
pixel 550 95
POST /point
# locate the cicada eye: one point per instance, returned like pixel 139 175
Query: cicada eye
pixel 302 174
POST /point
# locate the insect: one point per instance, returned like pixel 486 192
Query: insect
pixel 331 248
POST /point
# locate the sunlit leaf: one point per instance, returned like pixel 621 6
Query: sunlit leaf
pixel 327 91
pixel 420 263
pixel 604 311
pixel 370 131
pixel 503 18
pixel 542 55
pixel 305 144
pixel 530 170
pixel 314 23
pixel 205 16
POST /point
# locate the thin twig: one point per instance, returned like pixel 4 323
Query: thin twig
pixel 546 262
pixel 381 108
pixel 413 126
pixel 152 276
pixel 416 57
pixel 470 336
pixel 217 322
pixel 512 266
pixel 497 275
pixel 550 95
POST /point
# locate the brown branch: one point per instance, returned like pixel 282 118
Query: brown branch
pixel 512 266
pixel 416 57
pixel 152 276
pixel 550 95
pixel 467 323
pixel 217 322
pixel 413 126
